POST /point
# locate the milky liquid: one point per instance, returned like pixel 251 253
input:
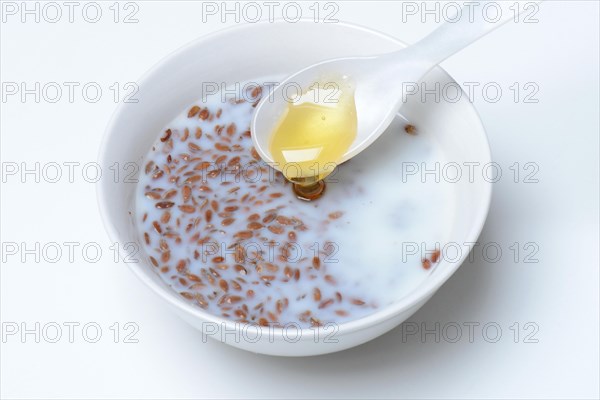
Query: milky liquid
pixel 348 254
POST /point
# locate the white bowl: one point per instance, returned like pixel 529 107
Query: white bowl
pixel 273 49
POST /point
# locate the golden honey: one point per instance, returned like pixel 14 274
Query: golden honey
pixel 314 132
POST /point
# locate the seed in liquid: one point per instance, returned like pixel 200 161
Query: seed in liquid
pixel 314 133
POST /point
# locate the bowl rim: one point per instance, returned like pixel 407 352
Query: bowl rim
pixel 426 289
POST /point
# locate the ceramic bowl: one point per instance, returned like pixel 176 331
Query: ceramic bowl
pixel 248 52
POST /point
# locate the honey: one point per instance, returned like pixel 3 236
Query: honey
pixel 314 132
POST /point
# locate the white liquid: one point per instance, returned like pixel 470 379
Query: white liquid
pixel 381 218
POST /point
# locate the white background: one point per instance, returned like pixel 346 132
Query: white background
pixel 558 294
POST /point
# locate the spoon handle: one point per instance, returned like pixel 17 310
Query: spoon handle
pixel 465 26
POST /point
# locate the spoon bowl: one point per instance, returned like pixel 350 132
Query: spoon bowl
pixel 376 101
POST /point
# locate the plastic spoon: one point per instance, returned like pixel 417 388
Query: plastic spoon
pixel 380 81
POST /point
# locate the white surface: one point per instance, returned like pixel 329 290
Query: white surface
pixel 560 214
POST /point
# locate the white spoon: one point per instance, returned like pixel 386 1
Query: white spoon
pixel 380 81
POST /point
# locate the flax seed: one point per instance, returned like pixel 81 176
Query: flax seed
pixel 336 215
pixel 236 286
pixel 357 302
pixel 222 147
pixel 186 208
pixel 163 245
pixel 170 194
pixel 193 111
pixel 227 221
pixel 426 263
pixel 316 263
pixel 435 256
pixel 153 195
pixel 276 229
pixel 149 167
pixel 181 266
pixel 186 192
pixel 244 234
pixel 233 299
pixel 254 225
pixel 231 129
pixel 284 220
pixel 166 136
pixel 317 294
pixel 193 147
pixel 240 269
pixel 203 115
pixel 192 179
pixel 224 285
pixel 325 303
pixel 256 92
pixel 184 137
